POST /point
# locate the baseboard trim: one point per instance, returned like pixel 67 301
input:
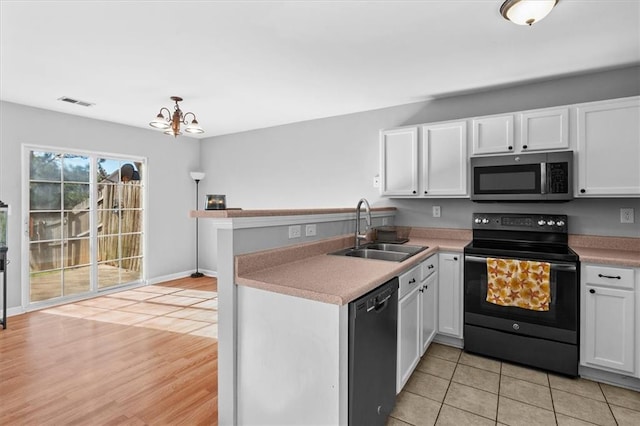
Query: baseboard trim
pixel 178 275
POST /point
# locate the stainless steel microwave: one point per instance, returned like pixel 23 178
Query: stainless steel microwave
pixel 524 177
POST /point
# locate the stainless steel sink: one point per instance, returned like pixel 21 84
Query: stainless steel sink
pixel 381 251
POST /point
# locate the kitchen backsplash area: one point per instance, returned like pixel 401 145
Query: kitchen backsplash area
pixel 587 216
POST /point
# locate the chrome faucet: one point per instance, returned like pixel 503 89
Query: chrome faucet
pixel 360 236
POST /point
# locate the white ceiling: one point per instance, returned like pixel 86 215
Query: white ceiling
pixel 243 65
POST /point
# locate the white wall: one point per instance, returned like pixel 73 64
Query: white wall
pixel 171 192
pixel 331 162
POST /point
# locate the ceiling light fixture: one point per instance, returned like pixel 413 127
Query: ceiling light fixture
pixel 526 12
pixel 171 123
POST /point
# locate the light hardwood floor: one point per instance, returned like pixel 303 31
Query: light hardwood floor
pixel 58 370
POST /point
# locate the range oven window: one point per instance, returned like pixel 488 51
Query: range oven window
pixel 562 311
pixel 513 179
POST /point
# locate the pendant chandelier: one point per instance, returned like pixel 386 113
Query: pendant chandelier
pixel 172 121
pixel 526 12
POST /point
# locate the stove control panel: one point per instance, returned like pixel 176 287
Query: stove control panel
pixel 520 222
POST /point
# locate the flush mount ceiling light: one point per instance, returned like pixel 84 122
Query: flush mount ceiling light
pixel 172 121
pixel 526 12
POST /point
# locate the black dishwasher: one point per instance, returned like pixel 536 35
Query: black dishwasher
pixel 373 342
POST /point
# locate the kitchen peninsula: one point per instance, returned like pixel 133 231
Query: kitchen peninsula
pixel 265 280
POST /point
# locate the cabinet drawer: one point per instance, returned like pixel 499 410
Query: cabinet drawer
pixel 409 281
pixel 428 267
pixel 610 277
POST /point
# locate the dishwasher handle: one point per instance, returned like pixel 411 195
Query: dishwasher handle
pixel 379 305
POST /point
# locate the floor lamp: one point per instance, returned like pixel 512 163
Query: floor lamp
pixel 197 176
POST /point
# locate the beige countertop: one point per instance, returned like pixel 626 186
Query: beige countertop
pixel 307 271
pixel 621 251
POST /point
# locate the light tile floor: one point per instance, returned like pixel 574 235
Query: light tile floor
pixel 162 308
pixel 452 387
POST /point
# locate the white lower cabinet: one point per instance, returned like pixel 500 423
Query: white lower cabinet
pixel 428 311
pixel 450 295
pixel 408 326
pixel 417 316
pixel 608 319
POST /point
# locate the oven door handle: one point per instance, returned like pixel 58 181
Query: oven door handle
pixel 556 266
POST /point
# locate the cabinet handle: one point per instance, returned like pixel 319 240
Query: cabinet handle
pixel 510 148
pixel 592 291
pixel 412 280
pixel 617 277
pixel 582 191
pixel 524 147
pixel 421 290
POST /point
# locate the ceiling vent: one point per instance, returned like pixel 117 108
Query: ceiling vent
pixel 75 101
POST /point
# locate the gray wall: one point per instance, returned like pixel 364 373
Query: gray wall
pixel 331 162
pixel 171 192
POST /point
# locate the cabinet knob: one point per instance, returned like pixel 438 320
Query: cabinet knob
pixel 582 191
pixel 510 148
pixel 592 291
pixel 425 192
pixel 524 147
pixel 455 258
pixel 415 192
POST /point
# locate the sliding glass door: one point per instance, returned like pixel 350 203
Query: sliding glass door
pixel 85 223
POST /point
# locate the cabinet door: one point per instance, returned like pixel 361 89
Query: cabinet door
pixel 450 295
pixel 443 150
pixel 408 337
pixel 608 148
pixel 428 311
pixel 609 328
pixel 546 129
pixel 493 134
pixel 399 161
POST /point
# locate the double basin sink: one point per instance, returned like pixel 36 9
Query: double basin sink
pixel 381 251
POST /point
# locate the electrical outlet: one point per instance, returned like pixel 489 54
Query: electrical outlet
pixel 626 216
pixel 385 221
pixel 310 230
pixel 295 231
pixel 436 211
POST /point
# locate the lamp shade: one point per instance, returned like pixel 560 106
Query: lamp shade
pixel 197 175
pixel 194 127
pixel 160 122
pixel 526 12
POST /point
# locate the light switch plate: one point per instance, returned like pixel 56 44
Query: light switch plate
pixel 436 211
pixel 626 216
pixel 295 231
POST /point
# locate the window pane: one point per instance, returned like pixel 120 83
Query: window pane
pixel 44 256
pixel 76 224
pixel 108 274
pixel 131 245
pixel 46 285
pixel 44 196
pixel 108 248
pixel 76 168
pixel 45 226
pixel 76 196
pixel 45 166
pixel 76 280
pixel 76 252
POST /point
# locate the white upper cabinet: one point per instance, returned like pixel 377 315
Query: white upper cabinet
pixel 443 166
pixel 399 161
pixel 433 163
pixel 608 138
pixel 537 130
pixel 493 134
pixel 544 130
